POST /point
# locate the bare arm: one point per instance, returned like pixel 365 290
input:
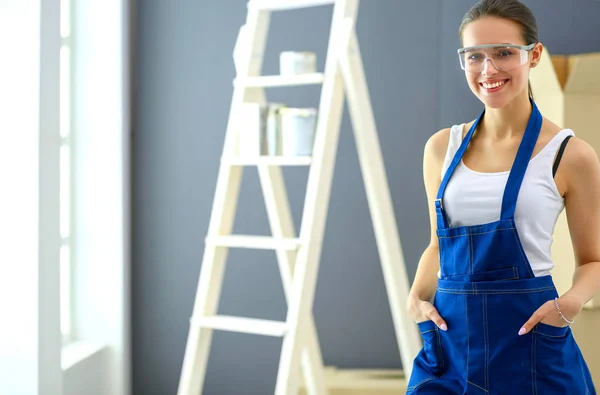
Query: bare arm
pixel 582 205
pixel 425 282
pixel 579 177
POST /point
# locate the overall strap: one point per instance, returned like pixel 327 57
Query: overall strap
pixel 442 220
pixel 517 173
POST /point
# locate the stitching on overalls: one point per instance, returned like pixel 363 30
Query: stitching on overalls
pixel 468 336
pixel 475 385
pixel 510 278
pixel 522 252
pixel 493 292
pixel 533 366
pixel 474 234
pixel 550 336
pixel 504 279
pixel 414 387
pixel 486 342
pixel 471 263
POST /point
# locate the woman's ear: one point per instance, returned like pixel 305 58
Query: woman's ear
pixel 536 54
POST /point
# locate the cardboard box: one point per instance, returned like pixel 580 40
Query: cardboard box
pixel 567 91
pixel 363 381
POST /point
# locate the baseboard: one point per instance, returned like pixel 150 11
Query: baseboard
pixel 363 381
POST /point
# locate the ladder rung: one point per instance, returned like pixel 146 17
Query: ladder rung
pixel 275 5
pixel 273 81
pixel 270 161
pixel 242 325
pixel 255 242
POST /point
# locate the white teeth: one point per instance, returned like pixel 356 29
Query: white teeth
pixel 494 85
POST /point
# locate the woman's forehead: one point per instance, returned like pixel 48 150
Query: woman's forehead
pixel 490 30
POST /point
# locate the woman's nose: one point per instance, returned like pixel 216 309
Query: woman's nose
pixel 489 68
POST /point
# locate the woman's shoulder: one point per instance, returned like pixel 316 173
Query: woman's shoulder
pixel 577 146
pixel 438 143
pixel 578 158
pixel 579 169
pixel 578 155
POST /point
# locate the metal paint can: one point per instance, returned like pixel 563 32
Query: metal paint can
pixel 274 144
pixel 298 126
pixel 252 140
pixel 294 63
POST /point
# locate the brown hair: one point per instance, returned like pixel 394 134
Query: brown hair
pixel 512 10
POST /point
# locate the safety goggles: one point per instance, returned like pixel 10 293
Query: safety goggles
pixel 504 57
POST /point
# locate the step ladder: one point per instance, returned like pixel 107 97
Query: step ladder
pixel 297 256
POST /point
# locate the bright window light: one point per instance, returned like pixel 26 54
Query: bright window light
pixel 65 173
pixel 65 18
pixel 65 90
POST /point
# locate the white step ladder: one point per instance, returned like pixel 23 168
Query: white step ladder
pixel 298 256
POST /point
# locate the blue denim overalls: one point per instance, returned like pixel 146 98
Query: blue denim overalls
pixel 486 292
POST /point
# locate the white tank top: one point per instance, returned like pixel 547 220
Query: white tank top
pixel 473 198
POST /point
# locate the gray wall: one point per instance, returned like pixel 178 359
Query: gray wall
pixel 183 89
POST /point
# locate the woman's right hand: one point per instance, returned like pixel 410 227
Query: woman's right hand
pixel 422 311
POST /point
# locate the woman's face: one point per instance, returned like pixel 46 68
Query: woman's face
pixel 496 88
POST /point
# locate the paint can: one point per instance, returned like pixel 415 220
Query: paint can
pixel 274 144
pixel 294 63
pixel 252 140
pixel 298 126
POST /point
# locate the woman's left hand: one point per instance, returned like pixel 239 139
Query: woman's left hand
pixel 548 314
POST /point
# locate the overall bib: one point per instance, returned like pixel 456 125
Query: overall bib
pixel 486 292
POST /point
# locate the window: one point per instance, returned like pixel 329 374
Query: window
pixel 65 172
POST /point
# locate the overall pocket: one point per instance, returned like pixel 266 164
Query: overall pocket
pixel 503 274
pixel 557 366
pixel 429 363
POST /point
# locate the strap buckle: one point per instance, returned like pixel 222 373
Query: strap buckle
pixel 438 204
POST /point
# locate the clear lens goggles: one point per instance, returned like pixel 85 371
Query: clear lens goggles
pixel 504 57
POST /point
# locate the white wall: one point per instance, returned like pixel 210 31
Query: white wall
pixel 585 329
pixel 89 375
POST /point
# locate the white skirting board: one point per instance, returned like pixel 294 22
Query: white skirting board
pixel 363 381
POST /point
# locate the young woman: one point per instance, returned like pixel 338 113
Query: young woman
pixel 490 317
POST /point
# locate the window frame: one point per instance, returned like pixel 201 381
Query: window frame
pixel 66 137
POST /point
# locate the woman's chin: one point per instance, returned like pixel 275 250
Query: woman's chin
pixel 493 101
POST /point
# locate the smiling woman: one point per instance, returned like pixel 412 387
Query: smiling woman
pixel 516 26
pixel 495 190
pixel 505 57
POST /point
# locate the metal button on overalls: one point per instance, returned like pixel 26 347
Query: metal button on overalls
pixel 485 293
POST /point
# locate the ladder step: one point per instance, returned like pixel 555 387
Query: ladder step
pixel 274 81
pixel 278 5
pixel 254 242
pixel 270 161
pixel 242 325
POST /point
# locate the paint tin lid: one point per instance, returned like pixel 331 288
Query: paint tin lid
pixel 298 53
pixel 300 112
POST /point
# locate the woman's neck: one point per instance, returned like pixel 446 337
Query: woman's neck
pixel 508 121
